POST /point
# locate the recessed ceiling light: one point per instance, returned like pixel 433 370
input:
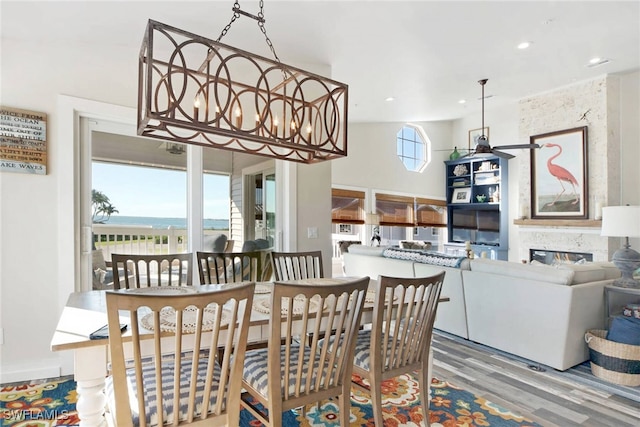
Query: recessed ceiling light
pixel 524 45
pixel 462 101
pixel 389 99
pixel 595 62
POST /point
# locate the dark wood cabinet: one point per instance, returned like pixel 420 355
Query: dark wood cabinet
pixel 477 205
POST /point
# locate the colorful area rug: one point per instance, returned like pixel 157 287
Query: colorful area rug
pixel 53 404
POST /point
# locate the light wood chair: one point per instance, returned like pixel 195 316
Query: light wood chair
pixel 399 340
pixel 200 387
pixel 229 267
pixel 300 372
pixel 297 265
pixel 142 271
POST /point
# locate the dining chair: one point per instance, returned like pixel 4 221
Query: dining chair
pixel 139 271
pixel 166 381
pixel 399 341
pixel 297 265
pixel 229 267
pixel 299 372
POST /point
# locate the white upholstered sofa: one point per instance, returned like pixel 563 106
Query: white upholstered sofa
pixel 537 312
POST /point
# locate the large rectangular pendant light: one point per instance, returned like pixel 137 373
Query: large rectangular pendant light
pixel 199 91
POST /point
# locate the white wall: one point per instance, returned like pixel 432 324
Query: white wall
pixel 32 216
pixel 372 162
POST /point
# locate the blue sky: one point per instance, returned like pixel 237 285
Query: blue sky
pixel 155 192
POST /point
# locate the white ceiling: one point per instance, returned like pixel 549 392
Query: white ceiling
pixel 426 54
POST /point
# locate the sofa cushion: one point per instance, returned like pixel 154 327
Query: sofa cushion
pixel 367 250
pixel 609 268
pixel 584 273
pixel 542 272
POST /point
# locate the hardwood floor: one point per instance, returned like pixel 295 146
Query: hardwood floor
pixel 549 397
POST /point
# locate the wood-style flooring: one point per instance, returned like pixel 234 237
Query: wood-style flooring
pixel 549 397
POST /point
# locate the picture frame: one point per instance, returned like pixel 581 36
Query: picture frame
pixel 461 195
pixel 559 178
pixel 344 228
pixel 474 134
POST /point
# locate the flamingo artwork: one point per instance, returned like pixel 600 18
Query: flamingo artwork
pixel 562 175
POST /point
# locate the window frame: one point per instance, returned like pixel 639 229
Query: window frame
pixel 422 139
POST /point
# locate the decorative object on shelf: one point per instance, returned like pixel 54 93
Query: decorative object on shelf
pixel 597 210
pixel 559 175
pixel 455 154
pixel 482 141
pixel 461 195
pixel 623 221
pixel 485 166
pixel 495 195
pixel 481 198
pixel 468 250
pixel 199 91
pixel 460 170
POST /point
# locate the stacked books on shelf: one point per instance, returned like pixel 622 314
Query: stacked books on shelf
pixel 460 182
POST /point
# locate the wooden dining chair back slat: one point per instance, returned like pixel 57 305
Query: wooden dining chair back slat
pixel 142 271
pixel 189 375
pixel 399 341
pixel 229 267
pixel 297 265
pixel 302 371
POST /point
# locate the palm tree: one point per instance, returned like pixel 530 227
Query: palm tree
pixel 102 208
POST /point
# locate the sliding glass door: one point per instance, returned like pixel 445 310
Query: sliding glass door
pixel 140 196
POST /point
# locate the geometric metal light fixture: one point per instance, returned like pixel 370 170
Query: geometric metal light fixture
pixel 195 90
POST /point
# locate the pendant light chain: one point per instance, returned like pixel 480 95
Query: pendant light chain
pixel 237 11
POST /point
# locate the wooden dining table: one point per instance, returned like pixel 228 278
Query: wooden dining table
pixel 86 312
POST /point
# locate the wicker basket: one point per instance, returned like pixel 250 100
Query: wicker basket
pixel 612 361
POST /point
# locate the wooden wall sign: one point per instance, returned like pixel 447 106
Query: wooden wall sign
pixel 23 141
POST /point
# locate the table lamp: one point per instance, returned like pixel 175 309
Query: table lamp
pixel 373 219
pixel 623 221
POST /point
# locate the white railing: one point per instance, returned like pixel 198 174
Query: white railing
pixel 141 239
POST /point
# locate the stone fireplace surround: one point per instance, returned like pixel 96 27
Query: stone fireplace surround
pixel 558 110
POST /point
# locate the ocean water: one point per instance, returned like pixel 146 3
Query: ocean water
pixel 180 223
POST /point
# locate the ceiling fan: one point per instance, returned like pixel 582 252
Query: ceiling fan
pixel 482 142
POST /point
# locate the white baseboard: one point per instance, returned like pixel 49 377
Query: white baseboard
pixel 51 368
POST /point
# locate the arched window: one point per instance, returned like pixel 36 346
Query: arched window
pixel 413 148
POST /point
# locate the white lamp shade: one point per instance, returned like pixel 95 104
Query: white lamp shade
pixel 372 219
pixel 621 221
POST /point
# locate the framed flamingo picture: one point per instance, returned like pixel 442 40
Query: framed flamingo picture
pixel 559 175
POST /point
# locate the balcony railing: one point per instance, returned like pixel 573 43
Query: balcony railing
pixel 137 239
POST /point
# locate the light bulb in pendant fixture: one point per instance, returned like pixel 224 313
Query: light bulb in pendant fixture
pixel 238 117
pixel 274 129
pixel 196 108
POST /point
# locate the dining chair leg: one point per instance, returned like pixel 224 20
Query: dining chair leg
pixel 424 383
pixel 344 402
pixel 376 404
pixel 275 413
